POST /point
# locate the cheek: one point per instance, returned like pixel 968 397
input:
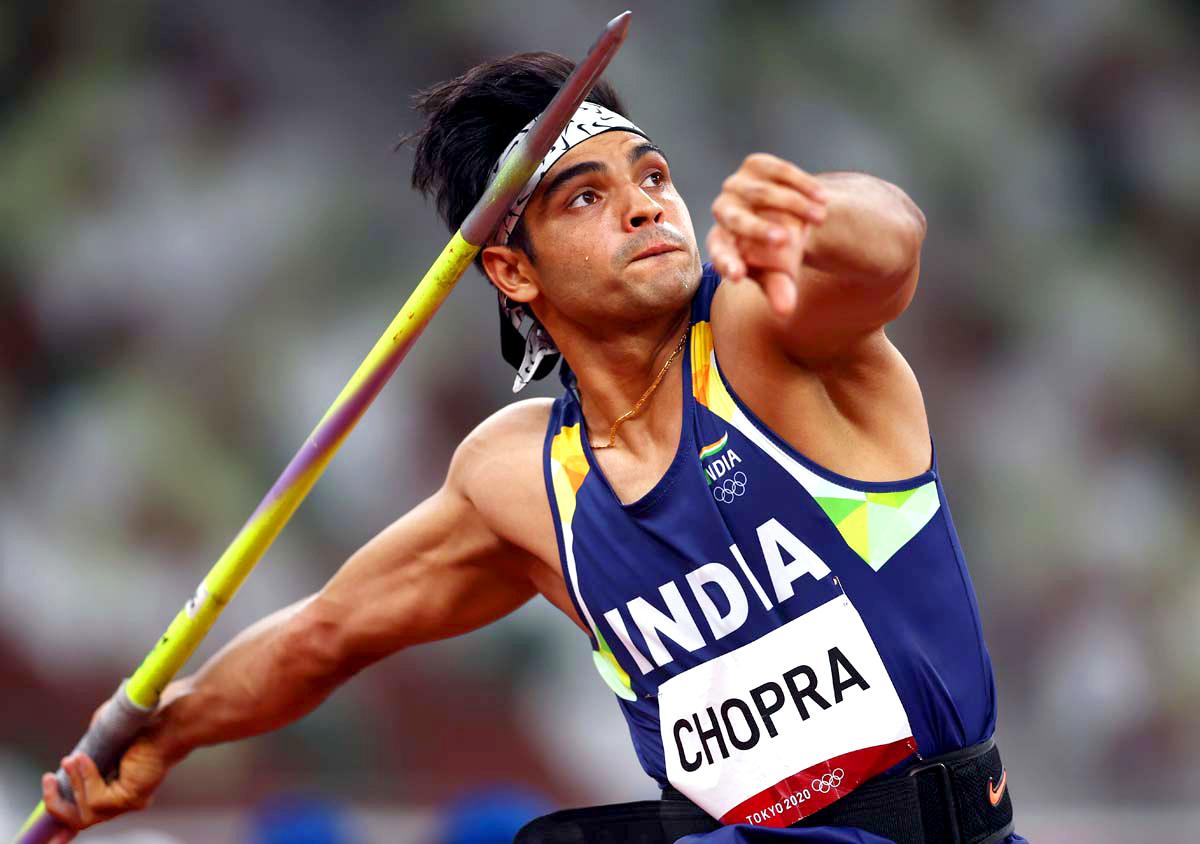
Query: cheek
pixel 584 246
pixel 574 256
pixel 684 219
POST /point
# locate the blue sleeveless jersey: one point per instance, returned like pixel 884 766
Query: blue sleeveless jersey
pixel 775 633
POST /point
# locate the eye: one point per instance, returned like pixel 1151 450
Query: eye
pixel 586 197
pixel 655 177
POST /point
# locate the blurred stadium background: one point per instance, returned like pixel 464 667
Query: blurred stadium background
pixel 203 227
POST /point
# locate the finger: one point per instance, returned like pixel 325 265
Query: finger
pixel 722 248
pixel 63 836
pixel 805 236
pixel 786 173
pixel 761 194
pixel 104 800
pixel 781 292
pixel 99 710
pixel 87 815
pixel 740 222
pixel 722 262
pixel 63 811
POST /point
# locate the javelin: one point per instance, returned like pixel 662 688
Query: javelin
pixel 136 699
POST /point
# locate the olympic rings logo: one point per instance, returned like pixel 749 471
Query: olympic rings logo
pixel 828 782
pixel 730 488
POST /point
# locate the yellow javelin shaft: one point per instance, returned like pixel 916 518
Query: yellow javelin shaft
pixel 193 622
pixel 106 740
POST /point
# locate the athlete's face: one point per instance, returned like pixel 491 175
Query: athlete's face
pixel 611 236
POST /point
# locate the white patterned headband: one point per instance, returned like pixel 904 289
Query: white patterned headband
pixel 589 120
pixel 532 352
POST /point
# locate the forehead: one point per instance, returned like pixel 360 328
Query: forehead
pixel 607 148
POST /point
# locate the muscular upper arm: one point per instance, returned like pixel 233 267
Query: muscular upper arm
pixel 837 316
pixel 861 276
pixel 440 570
pixel 830 382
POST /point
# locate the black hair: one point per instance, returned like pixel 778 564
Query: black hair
pixel 472 118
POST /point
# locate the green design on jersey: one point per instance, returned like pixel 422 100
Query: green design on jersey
pixel 611 671
pixel 879 524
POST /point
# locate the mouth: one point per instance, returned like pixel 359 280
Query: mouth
pixel 654 250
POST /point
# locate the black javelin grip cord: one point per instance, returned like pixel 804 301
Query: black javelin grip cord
pixel 134 702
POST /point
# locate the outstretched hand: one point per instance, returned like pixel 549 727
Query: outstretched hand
pixel 764 215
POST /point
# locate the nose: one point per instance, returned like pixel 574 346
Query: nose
pixel 642 209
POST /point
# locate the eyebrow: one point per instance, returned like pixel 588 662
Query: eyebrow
pixel 558 182
pixel 570 173
pixel 642 150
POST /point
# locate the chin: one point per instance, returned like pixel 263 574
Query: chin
pixel 671 284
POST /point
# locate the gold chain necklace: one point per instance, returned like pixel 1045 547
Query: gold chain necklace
pixel 637 406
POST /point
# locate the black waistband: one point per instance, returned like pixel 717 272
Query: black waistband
pixel 961 798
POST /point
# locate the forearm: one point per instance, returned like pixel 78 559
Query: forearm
pixel 872 234
pixel 270 674
pixel 438 571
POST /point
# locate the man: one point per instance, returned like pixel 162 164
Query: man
pixel 736 500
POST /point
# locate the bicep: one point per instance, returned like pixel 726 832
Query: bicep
pixel 835 318
pixel 860 271
pixel 834 314
pixel 437 572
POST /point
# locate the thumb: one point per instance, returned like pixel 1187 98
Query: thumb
pixel 781 292
pixel 99 711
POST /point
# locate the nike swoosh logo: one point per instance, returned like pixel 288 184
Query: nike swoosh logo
pixel 994 794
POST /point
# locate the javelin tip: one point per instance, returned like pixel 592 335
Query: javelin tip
pixel 612 36
pixel 620 24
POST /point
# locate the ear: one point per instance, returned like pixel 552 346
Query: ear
pixel 512 273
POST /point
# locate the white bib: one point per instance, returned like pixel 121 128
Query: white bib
pixel 785 725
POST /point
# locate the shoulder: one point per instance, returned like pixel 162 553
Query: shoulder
pixel 498 467
pixel 515 428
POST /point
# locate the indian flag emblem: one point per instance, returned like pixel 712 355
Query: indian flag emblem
pixel 720 459
pixel 715 448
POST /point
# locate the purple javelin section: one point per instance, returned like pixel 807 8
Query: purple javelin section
pixel 489 211
pixel 326 434
pixel 43 829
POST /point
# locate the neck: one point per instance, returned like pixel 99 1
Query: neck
pixel 614 371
